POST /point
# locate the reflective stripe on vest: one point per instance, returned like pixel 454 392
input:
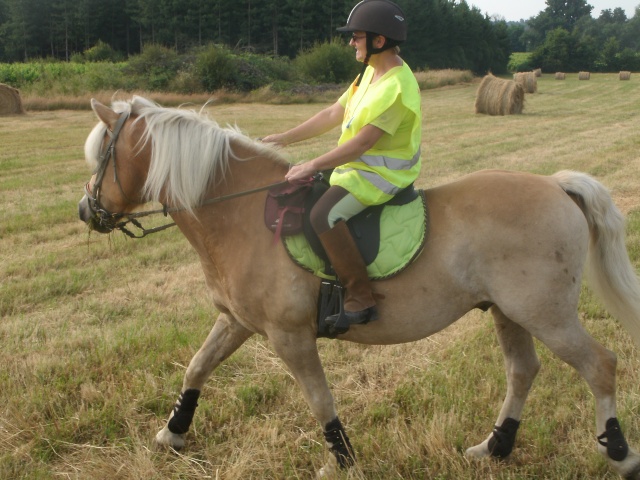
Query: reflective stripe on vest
pixel 381 161
pixel 390 162
pixel 375 179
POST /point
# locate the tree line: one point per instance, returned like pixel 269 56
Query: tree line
pixel 442 33
pixel 569 36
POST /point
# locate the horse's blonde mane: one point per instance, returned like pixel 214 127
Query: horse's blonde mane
pixel 190 151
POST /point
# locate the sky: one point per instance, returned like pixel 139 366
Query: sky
pixel 514 10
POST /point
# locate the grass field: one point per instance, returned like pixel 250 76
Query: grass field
pixel 97 331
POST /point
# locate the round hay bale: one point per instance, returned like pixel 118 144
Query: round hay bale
pixel 10 103
pixel 625 75
pixel 496 96
pixel 584 75
pixel 528 81
pixel 560 76
pixel 537 72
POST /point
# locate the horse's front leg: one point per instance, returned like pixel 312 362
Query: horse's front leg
pixel 299 352
pixel 522 365
pixel 226 336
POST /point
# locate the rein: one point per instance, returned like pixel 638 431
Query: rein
pixel 119 221
pixel 132 217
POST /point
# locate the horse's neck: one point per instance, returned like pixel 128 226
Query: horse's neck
pixel 230 236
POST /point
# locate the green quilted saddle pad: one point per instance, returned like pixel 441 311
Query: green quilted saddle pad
pixel 403 232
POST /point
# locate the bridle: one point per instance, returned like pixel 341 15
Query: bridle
pixel 106 221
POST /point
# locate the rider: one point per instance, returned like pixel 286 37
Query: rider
pixel 378 153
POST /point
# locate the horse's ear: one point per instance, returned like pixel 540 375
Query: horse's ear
pixel 104 113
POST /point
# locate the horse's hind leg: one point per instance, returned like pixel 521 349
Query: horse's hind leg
pixel 521 365
pixel 226 336
pixel 597 365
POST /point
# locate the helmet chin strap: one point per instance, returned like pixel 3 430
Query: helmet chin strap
pixel 372 51
pixel 364 67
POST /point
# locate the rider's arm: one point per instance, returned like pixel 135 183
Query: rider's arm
pixel 350 150
pixel 320 123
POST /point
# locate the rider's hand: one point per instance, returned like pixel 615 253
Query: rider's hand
pixel 274 139
pixel 300 173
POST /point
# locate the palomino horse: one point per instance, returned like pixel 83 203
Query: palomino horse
pixel 513 243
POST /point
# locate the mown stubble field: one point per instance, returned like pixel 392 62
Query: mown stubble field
pixel 97 331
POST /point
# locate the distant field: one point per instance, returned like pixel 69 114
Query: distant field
pixel 97 331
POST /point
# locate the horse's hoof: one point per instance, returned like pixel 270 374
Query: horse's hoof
pixel 166 438
pixel 330 469
pixel 479 451
pixel 629 468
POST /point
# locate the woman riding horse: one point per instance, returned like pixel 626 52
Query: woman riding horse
pixel 378 153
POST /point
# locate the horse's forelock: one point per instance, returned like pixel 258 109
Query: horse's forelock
pixel 139 104
pixel 93 145
pixel 120 106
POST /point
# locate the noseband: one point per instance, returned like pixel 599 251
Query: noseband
pixel 105 221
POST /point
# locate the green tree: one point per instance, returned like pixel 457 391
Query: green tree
pixel 628 60
pixel 564 51
pixel 630 32
pixel 26 33
pixel 442 33
pixel 553 55
pixel 609 55
pixel 64 25
pixel 515 32
pixel 568 12
pixel 558 14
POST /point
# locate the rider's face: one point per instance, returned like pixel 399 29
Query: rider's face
pixel 359 41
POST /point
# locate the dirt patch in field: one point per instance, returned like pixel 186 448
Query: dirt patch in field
pixel 626 202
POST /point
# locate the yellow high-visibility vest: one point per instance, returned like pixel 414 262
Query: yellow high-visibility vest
pixel 394 162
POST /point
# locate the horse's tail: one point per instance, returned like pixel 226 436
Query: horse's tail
pixel 609 271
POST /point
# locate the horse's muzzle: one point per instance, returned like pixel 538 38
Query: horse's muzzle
pixel 84 209
pixel 89 216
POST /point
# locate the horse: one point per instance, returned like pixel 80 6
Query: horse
pixel 513 243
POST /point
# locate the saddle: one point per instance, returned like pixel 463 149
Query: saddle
pixel 389 236
pixel 364 227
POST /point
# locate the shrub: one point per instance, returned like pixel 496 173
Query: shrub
pixel 520 62
pixel 249 73
pixel 328 63
pixel 281 69
pixel 154 68
pixel 214 67
pixel 106 76
pixel 254 71
pixel 100 52
pixel 186 81
pixel 19 75
pixel 628 59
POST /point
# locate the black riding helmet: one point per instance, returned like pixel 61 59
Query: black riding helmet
pixel 380 17
pixel 377 17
